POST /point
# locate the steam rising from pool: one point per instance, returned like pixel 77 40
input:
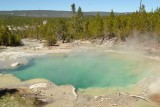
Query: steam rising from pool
pixel 81 70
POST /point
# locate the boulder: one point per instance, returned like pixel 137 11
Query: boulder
pixel 15 64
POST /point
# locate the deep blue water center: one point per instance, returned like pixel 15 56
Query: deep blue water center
pixel 82 70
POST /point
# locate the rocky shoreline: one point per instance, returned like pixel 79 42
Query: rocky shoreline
pixel 143 94
pixel 40 89
pixel 32 48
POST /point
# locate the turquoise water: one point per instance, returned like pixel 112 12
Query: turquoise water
pixel 81 70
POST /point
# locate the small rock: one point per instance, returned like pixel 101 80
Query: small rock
pixel 102 100
pixel 38 85
pixel 114 105
pixel 95 97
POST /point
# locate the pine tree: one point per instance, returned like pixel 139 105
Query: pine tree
pixel 62 30
pixel 142 9
pixel 86 28
pixel 73 8
pixel 99 25
pixel 80 13
pixel 110 28
pixel 50 36
pixel 79 21
pixel 112 14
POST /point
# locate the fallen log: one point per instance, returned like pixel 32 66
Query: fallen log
pixel 139 97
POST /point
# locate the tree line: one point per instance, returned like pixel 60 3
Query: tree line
pixel 79 27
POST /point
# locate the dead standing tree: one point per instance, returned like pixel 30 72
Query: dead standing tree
pixel 140 7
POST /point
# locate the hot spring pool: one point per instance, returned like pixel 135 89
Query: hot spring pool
pixel 82 70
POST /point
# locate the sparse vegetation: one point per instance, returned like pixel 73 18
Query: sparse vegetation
pixel 16 100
